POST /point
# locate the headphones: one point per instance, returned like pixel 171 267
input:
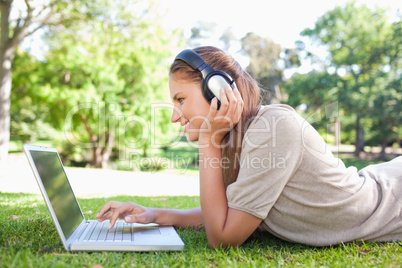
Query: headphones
pixel 212 80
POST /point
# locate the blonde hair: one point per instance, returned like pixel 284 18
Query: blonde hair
pixel 249 90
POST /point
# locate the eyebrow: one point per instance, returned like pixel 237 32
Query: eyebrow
pixel 175 96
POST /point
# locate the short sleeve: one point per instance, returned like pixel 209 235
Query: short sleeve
pixel 271 153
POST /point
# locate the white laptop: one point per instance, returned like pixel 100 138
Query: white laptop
pixel 79 234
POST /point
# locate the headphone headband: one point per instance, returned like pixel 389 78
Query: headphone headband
pixel 195 61
pixel 212 80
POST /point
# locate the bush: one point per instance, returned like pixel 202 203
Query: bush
pixel 152 164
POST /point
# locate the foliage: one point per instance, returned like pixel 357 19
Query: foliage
pixel 28 114
pixel 20 19
pixel 30 239
pixel 265 57
pixel 314 89
pixel 264 54
pixel 362 46
pixel 200 31
pixel 385 108
pixel 104 83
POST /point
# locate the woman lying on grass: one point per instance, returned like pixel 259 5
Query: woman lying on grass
pixel 266 166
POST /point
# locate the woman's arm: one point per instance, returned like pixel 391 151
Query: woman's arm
pixel 179 218
pixel 224 226
pixel 131 213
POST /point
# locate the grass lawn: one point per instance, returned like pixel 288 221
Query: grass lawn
pixel 29 239
pixel 358 163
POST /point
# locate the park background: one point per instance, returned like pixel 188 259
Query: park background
pixel 91 79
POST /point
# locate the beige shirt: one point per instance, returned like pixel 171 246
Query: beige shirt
pixel 291 180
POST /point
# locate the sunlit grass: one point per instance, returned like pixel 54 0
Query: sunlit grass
pixel 29 239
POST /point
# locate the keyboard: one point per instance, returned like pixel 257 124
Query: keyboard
pixel 121 232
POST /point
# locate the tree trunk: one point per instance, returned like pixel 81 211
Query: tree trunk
pixel 107 151
pixel 337 131
pixel 144 150
pixel 101 156
pixel 359 143
pixel 96 155
pixel 6 58
pixel 5 90
pixel 9 41
pixel 382 154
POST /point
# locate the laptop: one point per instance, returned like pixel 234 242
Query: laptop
pixel 79 234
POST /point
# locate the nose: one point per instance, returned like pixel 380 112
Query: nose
pixel 176 115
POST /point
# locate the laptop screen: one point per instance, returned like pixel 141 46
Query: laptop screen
pixel 58 190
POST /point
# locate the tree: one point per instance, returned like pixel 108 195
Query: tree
pixel 227 38
pixel 201 31
pixel 100 80
pixel 29 118
pixel 267 64
pixel 264 55
pixel 312 93
pixel 31 17
pixel 355 37
pixel 385 109
pixel 386 114
pixel 314 89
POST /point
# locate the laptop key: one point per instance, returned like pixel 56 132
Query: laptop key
pixel 96 231
pixel 103 234
pixel 118 235
pixel 127 233
pixel 110 234
pixel 89 232
pixel 113 234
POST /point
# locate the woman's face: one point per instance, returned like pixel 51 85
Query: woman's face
pixel 190 106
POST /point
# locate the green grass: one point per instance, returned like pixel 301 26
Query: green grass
pixel 358 163
pixel 15 146
pixel 31 241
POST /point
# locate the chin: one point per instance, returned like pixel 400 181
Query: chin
pixel 191 137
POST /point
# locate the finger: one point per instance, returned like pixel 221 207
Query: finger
pixel 105 217
pixel 237 94
pixel 105 209
pixel 115 214
pixel 224 102
pixel 240 102
pixel 113 219
pixel 232 101
pixel 213 110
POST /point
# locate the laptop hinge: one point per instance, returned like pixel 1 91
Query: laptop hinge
pixel 78 232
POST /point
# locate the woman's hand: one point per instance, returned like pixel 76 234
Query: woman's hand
pixel 219 122
pixel 128 211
